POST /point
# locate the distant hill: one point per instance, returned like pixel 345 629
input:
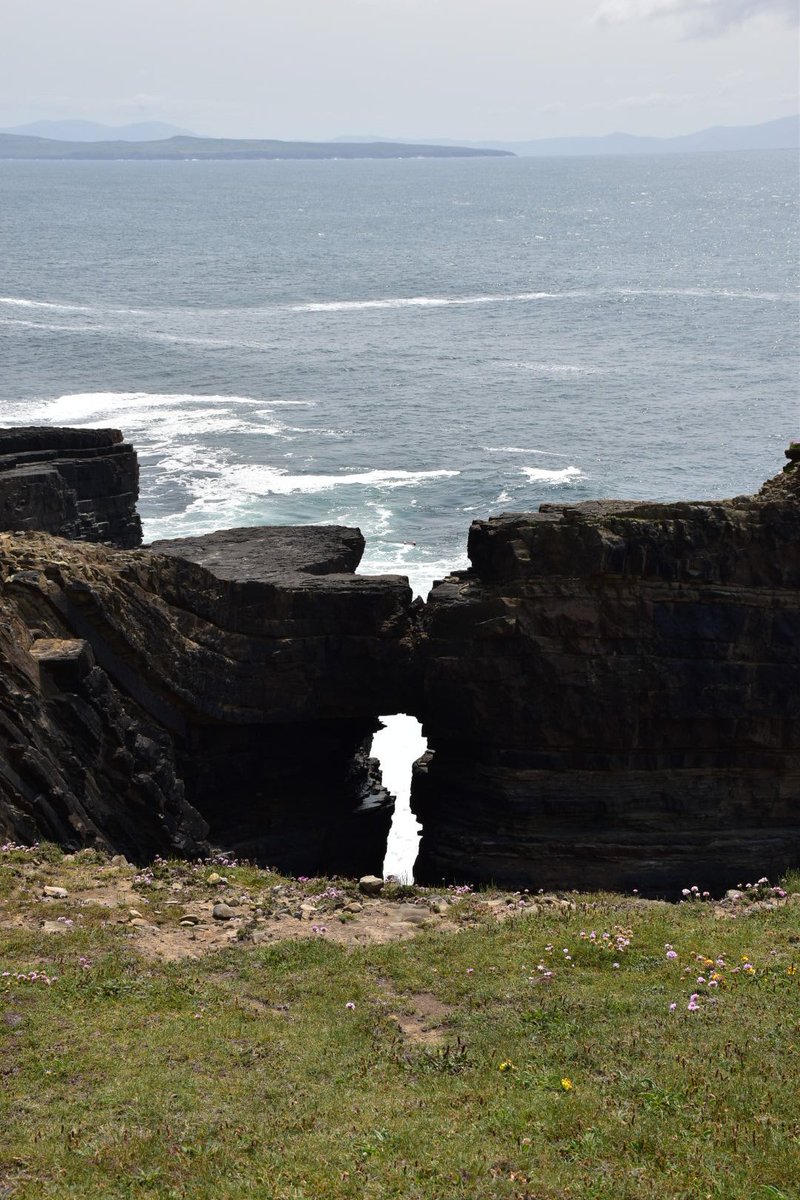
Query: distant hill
pixel 188 149
pixel 91 131
pixel 771 135
pixel 781 134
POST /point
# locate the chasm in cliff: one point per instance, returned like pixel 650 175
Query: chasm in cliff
pixel 610 692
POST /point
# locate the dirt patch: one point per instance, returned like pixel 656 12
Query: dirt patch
pixel 172 912
pixel 425 1024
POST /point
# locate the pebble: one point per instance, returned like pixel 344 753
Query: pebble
pixel 370 885
pixel 215 877
pixel 119 860
pixel 409 913
pixel 190 921
pixel 139 922
pixel 222 911
pixel 134 912
pixel 56 893
pixel 353 907
pixel 307 911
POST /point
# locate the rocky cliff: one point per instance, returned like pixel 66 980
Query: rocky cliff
pixel 610 693
pixel 77 483
pixel 611 697
pixel 248 693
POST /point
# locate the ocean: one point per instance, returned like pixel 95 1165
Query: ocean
pixel 408 345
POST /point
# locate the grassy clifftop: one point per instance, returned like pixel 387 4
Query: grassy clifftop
pixel 309 1042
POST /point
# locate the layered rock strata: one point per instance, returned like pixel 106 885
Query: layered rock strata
pixel 76 483
pixel 611 697
pixel 81 763
pixel 610 692
pixel 253 688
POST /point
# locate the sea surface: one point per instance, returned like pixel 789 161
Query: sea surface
pixel 408 345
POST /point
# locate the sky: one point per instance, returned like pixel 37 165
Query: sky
pixel 425 69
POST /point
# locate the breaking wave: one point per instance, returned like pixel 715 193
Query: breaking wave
pixel 566 475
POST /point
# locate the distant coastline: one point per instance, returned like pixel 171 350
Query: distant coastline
pixel 17 146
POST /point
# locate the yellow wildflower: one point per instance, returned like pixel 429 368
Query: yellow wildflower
pixel 567 1085
pixel 506 1065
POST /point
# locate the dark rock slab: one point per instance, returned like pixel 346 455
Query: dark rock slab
pixel 612 699
pixel 270 552
pixel 259 683
pixel 76 483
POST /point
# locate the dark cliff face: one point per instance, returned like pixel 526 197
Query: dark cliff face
pixel 81 763
pixel 253 698
pixel 76 483
pixel 611 697
pixel 610 693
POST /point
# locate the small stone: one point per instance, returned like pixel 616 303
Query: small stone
pixel 56 893
pixel 119 860
pixel 222 911
pixel 215 877
pixel 134 912
pixel 353 907
pixel 139 922
pixel 370 885
pixel 190 922
pixel 54 927
pixel 410 913
pixel 307 911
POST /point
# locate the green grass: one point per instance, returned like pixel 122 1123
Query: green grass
pixel 246 1074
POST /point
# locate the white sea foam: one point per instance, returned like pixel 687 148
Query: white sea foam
pixel 19 302
pixel 49 327
pixel 383 519
pixel 708 293
pixel 546 368
pixel 522 450
pixel 395 302
pixel 272 481
pixel 78 407
pixel 567 475
pixel 426 301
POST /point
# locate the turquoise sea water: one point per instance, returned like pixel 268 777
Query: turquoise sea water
pixel 405 346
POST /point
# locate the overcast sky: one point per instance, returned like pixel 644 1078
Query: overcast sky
pixel 502 69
